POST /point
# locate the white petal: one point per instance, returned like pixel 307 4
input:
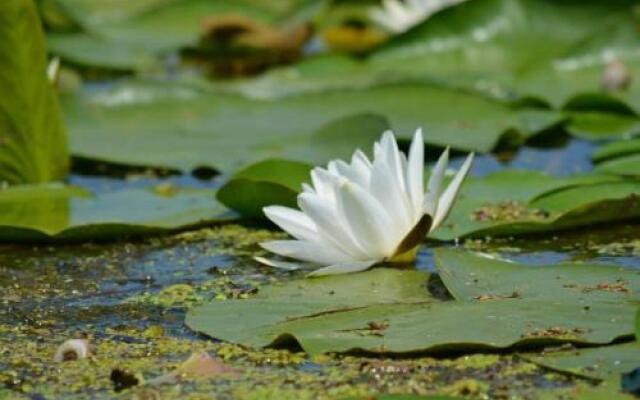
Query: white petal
pixel 292 221
pixel 343 268
pixel 360 158
pixel 324 183
pixel 417 5
pixel 389 150
pixel 306 188
pixel 329 225
pixel 434 188
pixel 367 220
pixel 341 168
pixel 449 196
pixel 415 173
pixel 285 265
pixel 314 252
pixel 395 9
pixel 386 189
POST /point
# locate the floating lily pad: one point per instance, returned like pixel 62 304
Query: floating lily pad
pixel 609 389
pixel 504 48
pixel 599 363
pixel 620 158
pixel 601 125
pixel 264 184
pixel 471 277
pixel 616 149
pixel 521 48
pixel 184 126
pixel 638 326
pixel 521 202
pixel 67 213
pixel 92 50
pixel 629 166
pixel 33 143
pixel 353 312
pixel 140 31
pixel 89 13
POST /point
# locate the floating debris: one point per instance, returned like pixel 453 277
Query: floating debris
pixel 199 366
pixel 73 349
pixel 123 380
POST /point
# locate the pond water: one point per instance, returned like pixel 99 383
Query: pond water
pixel 119 294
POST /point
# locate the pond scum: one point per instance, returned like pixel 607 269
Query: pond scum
pixel 135 327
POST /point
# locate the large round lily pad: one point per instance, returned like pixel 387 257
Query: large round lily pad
pixel 371 312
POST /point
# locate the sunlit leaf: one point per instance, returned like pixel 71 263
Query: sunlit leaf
pixel 33 143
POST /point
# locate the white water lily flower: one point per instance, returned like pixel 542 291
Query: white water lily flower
pixel 365 212
pixel 399 16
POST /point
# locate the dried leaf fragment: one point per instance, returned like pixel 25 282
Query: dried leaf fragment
pixel 199 366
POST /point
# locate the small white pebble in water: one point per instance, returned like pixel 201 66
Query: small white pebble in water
pixel 73 349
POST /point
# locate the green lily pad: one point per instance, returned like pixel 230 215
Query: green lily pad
pixel 96 12
pixel 92 50
pixel 408 328
pixel 609 389
pixel 504 48
pixel 601 125
pixel 184 126
pixel 33 143
pixel 390 311
pixel 520 48
pixel 616 149
pixel 264 184
pixel 141 30
pixel 66 213
pixel 471 277
pixel 628 166
pixel 522 202
pixel 638 326
pixel 598 363
pixel 621 158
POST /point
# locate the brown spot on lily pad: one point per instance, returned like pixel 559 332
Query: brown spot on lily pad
pixel 485 297
pixel 555 332
pixel 508 211
pixel 619 286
